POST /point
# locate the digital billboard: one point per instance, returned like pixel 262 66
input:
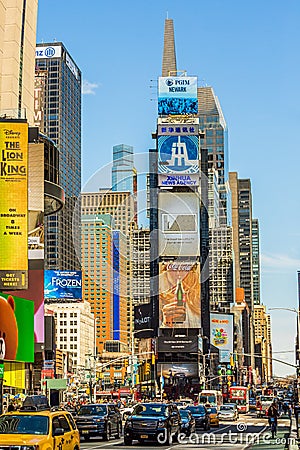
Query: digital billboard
pixel 178 222
pixel 63 284
pixel 178 154
pixel 116 285
pixel 179 294
pixel 143 317
pixel 13 204
pixel 174 371
pixel 16 329
pixel 221 334
pixel 178 344
pixel 177 95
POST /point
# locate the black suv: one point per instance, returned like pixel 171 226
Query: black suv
pixel 39 402
pixel 99 420
pixel 153 422
pixel 201 416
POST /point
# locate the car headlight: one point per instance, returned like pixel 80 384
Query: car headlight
pixel 161 423
pixel 99 420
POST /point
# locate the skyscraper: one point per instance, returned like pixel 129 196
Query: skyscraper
pixel 17 54
pixel 62 123
pixel 255 262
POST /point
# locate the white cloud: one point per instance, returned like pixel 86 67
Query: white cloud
pixel 276 262
pixel 88 88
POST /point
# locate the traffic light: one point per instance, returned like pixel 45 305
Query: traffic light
pixel 147 368
pixel 126 362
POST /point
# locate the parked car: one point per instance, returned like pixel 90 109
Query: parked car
pixel 101 419
pixel 213 414
pixel 228 411
pixel 159 422
pixel 188 424
pixel 201 416
pixel 32 429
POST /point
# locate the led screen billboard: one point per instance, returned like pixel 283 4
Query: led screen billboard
pixel 179 294
pixel 178 154
pixel 178 220
pixel 63 284
pixel 143 317
pixel 175 371
pixel 16 329
pixel 13 204
pixel 178 344
pixel 177 95
pixel 221 334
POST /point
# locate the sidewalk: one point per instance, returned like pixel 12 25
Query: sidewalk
pixel 293 441
pixel 280 441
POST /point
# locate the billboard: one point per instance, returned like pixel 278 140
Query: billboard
pixel 178 344
pixel 63 284
pixel 179 294
pixel 177 95
pixel 221 334
pixel 177 129
pixel 178 154
pixel 51 51
pixel 178 180
pixel 13 204
pixel 178 222
pixel 143 317
pixel 116 285
pixel 175 371
pixel 16 329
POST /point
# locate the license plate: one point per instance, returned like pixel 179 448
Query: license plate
pixel 144 436
pixel 85 432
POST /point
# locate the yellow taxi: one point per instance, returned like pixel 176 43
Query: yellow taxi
pixel 29 429
pixel 213 414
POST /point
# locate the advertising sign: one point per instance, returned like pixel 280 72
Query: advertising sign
pixel 13 204
pixel 177 345
pixel 17 328
pixel 63 284
pixel 175 371
pixel 178 220
pixel 221 334
pixel 52 51
pixel 177 95
pixel 177 129
pixel 143 317
pixel 179 295
pixel 178 154
pixel 178 180
pixel 116 285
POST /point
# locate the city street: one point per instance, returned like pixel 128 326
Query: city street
pixel 248 432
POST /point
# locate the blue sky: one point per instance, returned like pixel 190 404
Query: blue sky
pixel 249 53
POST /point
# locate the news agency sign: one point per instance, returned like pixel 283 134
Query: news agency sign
pixel 178 129
pixel 63 284
pixel 178 180
pixel 51 51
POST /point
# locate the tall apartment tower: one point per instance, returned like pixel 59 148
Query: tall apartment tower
pixel 242 244
pixel 255 262
pixel 140 257
pixel 17 58
pixel 62 124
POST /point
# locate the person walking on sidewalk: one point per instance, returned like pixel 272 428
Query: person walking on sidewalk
pixel 272 417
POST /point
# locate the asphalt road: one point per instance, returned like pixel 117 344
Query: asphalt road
pixel 248 432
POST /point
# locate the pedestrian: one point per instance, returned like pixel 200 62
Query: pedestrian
pixel 11 407
pixel 273 413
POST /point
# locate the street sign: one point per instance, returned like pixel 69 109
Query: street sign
pixel 1 370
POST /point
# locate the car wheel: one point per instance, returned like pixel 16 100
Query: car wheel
pixel 106 434
pixel 127 440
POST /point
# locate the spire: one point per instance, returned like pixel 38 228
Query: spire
pixel 169 55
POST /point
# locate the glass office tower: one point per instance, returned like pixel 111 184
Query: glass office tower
pixel 62 123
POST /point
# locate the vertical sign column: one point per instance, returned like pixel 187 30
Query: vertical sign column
pixel 13 205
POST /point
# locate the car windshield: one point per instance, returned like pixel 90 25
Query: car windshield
pixel 184 413
pixel 92 410
pixel 196 409
pixel 212 410
pixel 150 410
pixel 206 398
pixel 226 408
pixel 24 424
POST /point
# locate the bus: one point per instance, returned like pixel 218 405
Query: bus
pixel 214 398
pixel 240 396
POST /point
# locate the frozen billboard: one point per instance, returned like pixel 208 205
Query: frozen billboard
pixel 63 285
pixel 221 334
pixel 179 294
pixel 177 95
pixel 178 220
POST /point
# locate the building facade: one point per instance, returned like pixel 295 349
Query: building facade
pixel 17 58
pixel 255 262
pixel 140 258
pixel 62 123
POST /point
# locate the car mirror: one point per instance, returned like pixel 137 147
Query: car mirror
pixel 59 432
